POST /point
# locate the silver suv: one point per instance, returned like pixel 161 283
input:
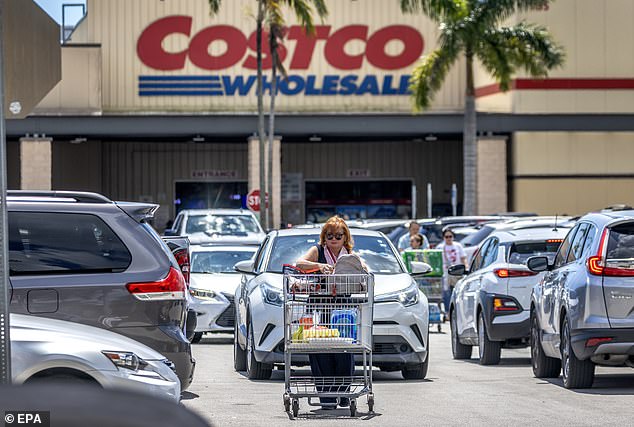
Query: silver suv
pixel 84 258
pixel 582 311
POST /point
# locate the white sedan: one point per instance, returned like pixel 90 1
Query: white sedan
pixel 213 282
pixel 401 319
pixel 49 350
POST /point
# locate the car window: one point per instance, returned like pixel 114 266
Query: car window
pixel 474 239
pixel 491 254
pixel 177 223
pixel 217 261
pixel 577 243
pixel 375 251
pixel 259 257
pixel 44 243
pixel 590 236
pixel 562 253
pixel 224 225
pixel 521 252
pixel 477 259
pixel 621 244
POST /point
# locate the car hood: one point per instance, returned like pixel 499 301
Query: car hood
pixel 245 239
pixel 383 283
pixel 67 337
pixel 217 282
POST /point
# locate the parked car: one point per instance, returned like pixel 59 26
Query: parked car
pixel 213 286
pixel 52 351
pixel 222 226
pixel 472 242
pixel 385 226
pixel 84 258
pixel 490 305
pixel 400 312
pixel 582 311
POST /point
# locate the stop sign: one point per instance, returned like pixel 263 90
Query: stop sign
pixel 253 200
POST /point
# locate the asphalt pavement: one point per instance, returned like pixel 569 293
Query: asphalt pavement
pixel 454 393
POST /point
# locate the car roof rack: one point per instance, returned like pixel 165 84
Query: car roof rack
pixel 61 196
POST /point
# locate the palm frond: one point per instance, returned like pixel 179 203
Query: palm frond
pixel 524 46
pixel 437 10
pixel 495 11
pixel 428 76
pixel 214 6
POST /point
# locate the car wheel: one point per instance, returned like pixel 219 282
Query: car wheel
pixel 543 366
pixel 239 355
pixel 197 337
pixel 459 351
pixel 577 373
pixel 416 372
pixel 255 369
pixel 488 350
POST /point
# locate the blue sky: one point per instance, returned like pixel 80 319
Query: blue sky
pixel 54 8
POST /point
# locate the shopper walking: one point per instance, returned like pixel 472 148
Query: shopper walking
pixel 452 253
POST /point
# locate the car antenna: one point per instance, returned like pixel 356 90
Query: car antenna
pixel 555 229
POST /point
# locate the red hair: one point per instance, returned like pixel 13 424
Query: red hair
pixel 334 224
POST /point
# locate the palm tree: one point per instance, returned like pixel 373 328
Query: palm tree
pixel 270 11
pixel 473 28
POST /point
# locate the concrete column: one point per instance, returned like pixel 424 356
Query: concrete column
pixel 254 174
pixel 36 160
pixel 492 175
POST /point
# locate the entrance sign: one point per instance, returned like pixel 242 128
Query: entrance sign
pixel 253 200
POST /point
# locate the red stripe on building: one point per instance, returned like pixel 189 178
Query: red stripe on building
pixel 559 84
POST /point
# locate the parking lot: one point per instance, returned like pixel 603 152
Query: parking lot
pixel 454 393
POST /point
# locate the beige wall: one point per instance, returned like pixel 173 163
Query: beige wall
pixel 571 172
pixel 117 24
pixel 491 170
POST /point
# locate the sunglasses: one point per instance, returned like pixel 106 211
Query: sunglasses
pixel 337 236
pixel 448 236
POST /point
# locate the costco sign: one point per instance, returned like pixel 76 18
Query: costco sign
pixel 240 51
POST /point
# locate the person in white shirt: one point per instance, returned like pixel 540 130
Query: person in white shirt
pixel 404 241
pixel 452 253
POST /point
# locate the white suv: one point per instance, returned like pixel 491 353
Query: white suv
pixel 223 226
pixel 490 305
pixel 400 329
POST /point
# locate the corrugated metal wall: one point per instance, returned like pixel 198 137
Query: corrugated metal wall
pixel 436 162
pixel 146 171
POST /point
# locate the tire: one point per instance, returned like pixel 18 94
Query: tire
pixel 459 351
pixel 239 355
pixel 418 371
pixel 489 351
pixel 255 369
pixel 295 407
pixel 543 366
pixel 576 373
pixel 197 337
pixel 287 403
pixel 371 402
pixel 353 408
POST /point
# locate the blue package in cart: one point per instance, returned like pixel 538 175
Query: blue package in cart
pixel 346 322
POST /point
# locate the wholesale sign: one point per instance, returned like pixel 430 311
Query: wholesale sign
pixel 331 44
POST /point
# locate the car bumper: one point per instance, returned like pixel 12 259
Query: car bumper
pixel 166 385
pixel 505 326
pixel 209 312
pixel 621 343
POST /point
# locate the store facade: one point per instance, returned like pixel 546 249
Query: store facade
pixel 157 103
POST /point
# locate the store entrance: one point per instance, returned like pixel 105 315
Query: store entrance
pixel 358 199
pixel 210 195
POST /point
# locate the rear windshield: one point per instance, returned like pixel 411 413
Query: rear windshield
pixel 45 243
pixel 521 252
pixel 218 261
pixel 231 225
pixel 621 242
pixel 375 252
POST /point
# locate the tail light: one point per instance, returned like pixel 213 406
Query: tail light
pixel 172 287
pixel 596 341
pixel 182 258
pixel 599 266
pixel 503 273
pixel 505 304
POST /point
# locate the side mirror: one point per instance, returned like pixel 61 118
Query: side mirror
pixel 245 266
pixel 457 270
pixel 419 268
pixel 537 264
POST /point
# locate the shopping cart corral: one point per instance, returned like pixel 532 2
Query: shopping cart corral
pixel 328 314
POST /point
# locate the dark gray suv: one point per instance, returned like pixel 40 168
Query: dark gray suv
pixel 84 258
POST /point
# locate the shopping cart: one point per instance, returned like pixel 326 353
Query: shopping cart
pixel 328 314
pixel 432 288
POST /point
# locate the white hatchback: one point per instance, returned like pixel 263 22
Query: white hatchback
pixel 490 305
pixel 400 327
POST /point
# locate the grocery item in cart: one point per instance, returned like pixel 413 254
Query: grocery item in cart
pixel 345 321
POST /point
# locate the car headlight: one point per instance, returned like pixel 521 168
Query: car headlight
pixel 125 359
pixel 271 295
pixel 202 293
pixel 407 296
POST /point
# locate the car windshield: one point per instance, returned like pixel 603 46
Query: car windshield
pixel 217 261
pixel 374 250
pixel 521 252
pixel 229 225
